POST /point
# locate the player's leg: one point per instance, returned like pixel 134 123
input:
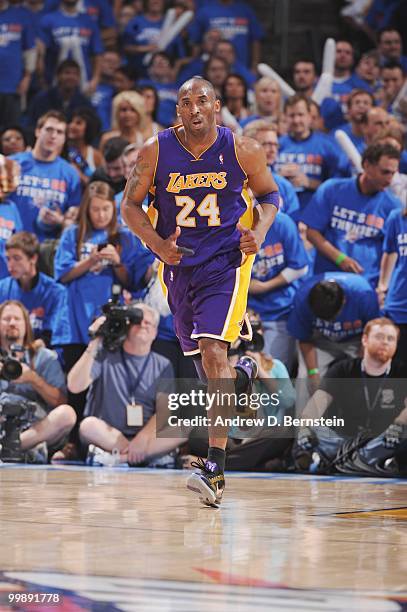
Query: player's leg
pixel 219 298
pixel 209 482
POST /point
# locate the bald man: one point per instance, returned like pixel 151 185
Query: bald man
pixel 202 226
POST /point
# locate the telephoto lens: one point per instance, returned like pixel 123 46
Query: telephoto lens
pixel 12 368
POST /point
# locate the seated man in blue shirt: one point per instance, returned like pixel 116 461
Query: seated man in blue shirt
pixel 124 395
pixel 38 394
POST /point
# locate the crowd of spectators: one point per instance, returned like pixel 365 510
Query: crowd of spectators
pixel 83 84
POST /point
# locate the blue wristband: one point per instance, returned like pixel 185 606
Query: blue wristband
pixel 270 198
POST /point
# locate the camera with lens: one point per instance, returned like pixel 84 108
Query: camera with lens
pixel 13 418
pixel 255 345
pixel 10 366
pixel 119 318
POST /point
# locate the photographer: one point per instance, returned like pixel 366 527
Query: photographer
pixel 123 398
pixel 370 395
pixel 39 389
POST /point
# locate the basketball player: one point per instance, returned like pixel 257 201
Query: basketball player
pixel 201 225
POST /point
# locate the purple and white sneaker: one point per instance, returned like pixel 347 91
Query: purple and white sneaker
pixel 208 483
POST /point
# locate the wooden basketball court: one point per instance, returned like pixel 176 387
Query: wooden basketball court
pixel 137 540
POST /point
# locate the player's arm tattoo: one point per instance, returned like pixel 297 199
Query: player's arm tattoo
pixel 135 180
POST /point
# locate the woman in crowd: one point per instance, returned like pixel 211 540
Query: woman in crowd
pixel 267 102
pixel 128 118
pixel 83 129
pixel 91 257
pixel 234 96
pixel 151 102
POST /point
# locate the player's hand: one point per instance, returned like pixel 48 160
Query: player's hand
pixel 169 251
pixel 250 240
pixel 351 265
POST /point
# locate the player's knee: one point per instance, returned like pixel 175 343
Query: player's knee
pixel 214 358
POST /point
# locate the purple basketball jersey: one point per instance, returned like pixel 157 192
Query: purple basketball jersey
pixel 203 196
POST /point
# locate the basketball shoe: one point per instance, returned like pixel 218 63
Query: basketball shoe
pixel 208 483
pixel 250 369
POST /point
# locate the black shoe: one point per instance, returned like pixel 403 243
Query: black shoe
pixel 249 367
pixel 209 483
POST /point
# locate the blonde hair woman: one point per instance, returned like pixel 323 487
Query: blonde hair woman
pixel 128 118
pixel 268 102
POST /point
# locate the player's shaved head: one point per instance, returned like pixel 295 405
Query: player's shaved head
pixel 197 85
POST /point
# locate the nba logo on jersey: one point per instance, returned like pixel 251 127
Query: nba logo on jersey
pixel 171 275
pixel 221 159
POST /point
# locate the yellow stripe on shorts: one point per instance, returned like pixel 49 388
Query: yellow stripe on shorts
pixel 238 303
pixel 160 274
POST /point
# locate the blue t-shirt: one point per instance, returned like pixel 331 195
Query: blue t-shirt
pixel 74 37
pixel 395 241
pixel 360 306
pixel 10 223
pixel 341 88
pixel 353 222
pixel 317 157
pixel 49 184
pixel 289 203
pixel 16 36
pixel 282 248
pixel 89 292
pixel 237 22
pixel 102 102
pixel 113 384
pixel 100 11
pixel 47 304
pixel 142 31
pixel 167 96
